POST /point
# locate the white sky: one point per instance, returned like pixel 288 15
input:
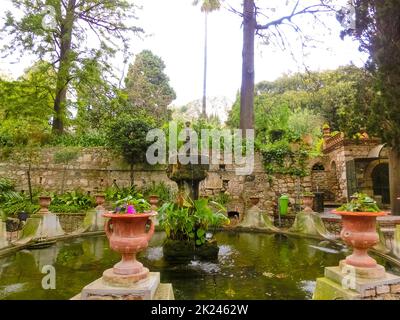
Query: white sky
pixel 175 32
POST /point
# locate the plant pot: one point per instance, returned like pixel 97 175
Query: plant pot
pixel 359 232
pixel 44 202
pixel 127 235
pixel 254 200
pixel 308 202
pixel 153 200
pixel 100 199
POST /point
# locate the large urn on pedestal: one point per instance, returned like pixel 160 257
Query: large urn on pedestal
pixel 44 203
pixel 359 232
pixel 128 234
pixel 308 202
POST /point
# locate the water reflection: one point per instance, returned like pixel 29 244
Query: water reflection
pixel 249 266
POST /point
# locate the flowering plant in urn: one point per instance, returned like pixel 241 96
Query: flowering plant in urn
pixel 359 229
pixel 129 230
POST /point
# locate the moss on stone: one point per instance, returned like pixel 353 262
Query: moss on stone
pixel 310 223
pixel 326 289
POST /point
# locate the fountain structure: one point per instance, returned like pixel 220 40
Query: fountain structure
pixel 42 225
pixel 94 220
pixel 256 218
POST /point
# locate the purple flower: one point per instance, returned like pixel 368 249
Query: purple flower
pixel 130 209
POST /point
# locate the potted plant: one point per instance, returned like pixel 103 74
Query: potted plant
pixel 359 228
pixel 129 232
pixel 308 201
pixel 186 228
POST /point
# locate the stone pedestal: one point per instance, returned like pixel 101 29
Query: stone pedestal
pixel 254 219
pixel 40 227
pixel 310 223
pixel 147 289
pixel 346 282
pixel 3 235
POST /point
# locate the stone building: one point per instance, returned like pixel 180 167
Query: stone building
pixel 352 165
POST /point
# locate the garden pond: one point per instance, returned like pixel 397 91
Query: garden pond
pixel 249 266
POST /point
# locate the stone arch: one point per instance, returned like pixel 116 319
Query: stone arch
pixel 334 192
pixel 318 166
pixel 318 176
pixel 373 172
pixel 332 166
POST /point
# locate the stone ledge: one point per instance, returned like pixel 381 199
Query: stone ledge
pixel 327 289
pixel 363 286
pixel 142 290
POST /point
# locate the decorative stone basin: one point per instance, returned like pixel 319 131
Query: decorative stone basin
pixel 359 232
pixel 188 176
pixel 127 235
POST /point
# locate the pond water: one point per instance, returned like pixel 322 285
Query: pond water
pixel 249 266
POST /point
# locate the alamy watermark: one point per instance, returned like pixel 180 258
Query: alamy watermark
pixel 233 146
pixel 49 280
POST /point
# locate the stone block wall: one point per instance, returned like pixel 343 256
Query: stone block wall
pixel 71 222
pixel 95 169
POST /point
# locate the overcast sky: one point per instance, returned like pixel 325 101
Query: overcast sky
pixel 175 31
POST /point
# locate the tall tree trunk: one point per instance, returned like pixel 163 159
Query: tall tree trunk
pixel 394 180
pixel 132 176
pixel 29 182
pixel 204 109
pixel 247 89
pixel 64 68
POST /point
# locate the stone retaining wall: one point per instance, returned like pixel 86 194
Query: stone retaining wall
pixel 71 222
pixel 95 169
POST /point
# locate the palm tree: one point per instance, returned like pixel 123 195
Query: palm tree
pixel 207 6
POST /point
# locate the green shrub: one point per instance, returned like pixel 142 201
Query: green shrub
pixel 76 199
pixel 114 193
pixel 160 189
pixel 191 221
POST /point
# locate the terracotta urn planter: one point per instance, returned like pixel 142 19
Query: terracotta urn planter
pixel 359 232
pixel 308 202
pixel 153 200
pixel 100 199
pixel 127 235
pixel 44 202
pixel 254 200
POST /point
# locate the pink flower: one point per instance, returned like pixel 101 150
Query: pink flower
pixel 130 209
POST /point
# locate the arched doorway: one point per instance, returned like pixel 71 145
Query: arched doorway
pixel 380 182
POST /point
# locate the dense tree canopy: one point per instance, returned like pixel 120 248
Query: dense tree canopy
pixel 331 94
pixel 147 85
pixel 59 31
pixel 26 107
